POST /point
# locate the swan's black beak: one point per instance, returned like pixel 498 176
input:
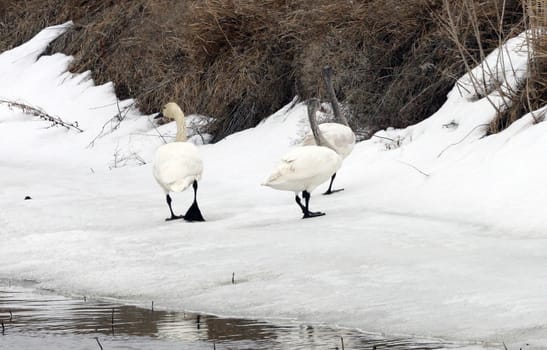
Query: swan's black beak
pixel 161 119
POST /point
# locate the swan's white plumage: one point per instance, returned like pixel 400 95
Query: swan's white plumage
pixel 177 164
pixel 304 168
pixel 340 136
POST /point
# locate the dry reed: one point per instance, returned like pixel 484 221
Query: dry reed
pixel 238 63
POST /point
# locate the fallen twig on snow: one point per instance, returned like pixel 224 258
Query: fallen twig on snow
pixel 413 167
pixel 454 144
pixel 40 113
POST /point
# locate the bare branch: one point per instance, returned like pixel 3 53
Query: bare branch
pixel 415 168
pixel 40 113
pixel 454 144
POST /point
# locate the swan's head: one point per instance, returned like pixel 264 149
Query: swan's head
pixel 171 111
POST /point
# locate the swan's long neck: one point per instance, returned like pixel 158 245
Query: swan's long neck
pixel 338 115
pixel 313 107
pixel 181 129
pixel 342 119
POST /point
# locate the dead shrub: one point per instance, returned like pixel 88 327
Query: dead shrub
pixel 238 63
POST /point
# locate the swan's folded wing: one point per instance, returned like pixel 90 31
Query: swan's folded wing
pixel 302 166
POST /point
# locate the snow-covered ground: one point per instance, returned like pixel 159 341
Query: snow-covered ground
pixel 440 231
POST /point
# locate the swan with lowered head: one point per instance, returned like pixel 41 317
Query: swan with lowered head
pixel 338 134
pixel 304 168
pixel 177 165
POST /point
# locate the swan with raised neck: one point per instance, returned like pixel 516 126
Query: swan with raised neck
pixel 178 165
pixel 304 168
pixel 336 136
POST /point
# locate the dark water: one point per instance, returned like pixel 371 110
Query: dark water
pixel 39 319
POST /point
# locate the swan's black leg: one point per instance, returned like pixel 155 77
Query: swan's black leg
pixel 299 202
pixel 307 212
pixel 193 213
pixel 330 190
pixel 173 216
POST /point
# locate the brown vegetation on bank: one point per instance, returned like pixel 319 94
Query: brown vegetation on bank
pixel 238 61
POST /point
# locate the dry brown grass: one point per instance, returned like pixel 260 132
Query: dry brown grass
pixel 240 60
pixel 536 90
pixel 508 19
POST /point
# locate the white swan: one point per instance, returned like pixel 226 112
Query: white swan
pixel 304 168
pixel 177 165
pixel 338 134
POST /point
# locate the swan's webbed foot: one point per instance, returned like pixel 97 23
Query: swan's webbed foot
pixel 329 191
pixel 193 213
pixel 175 217
pixel 312 214
pixel 307 213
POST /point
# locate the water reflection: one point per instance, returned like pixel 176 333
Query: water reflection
pixel 26 310
pixel 232 329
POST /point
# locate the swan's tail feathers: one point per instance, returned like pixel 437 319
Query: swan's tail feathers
pixel 181 185
pixel 270 178
pixel 278 175
pixel 267 182
pixel 270 181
